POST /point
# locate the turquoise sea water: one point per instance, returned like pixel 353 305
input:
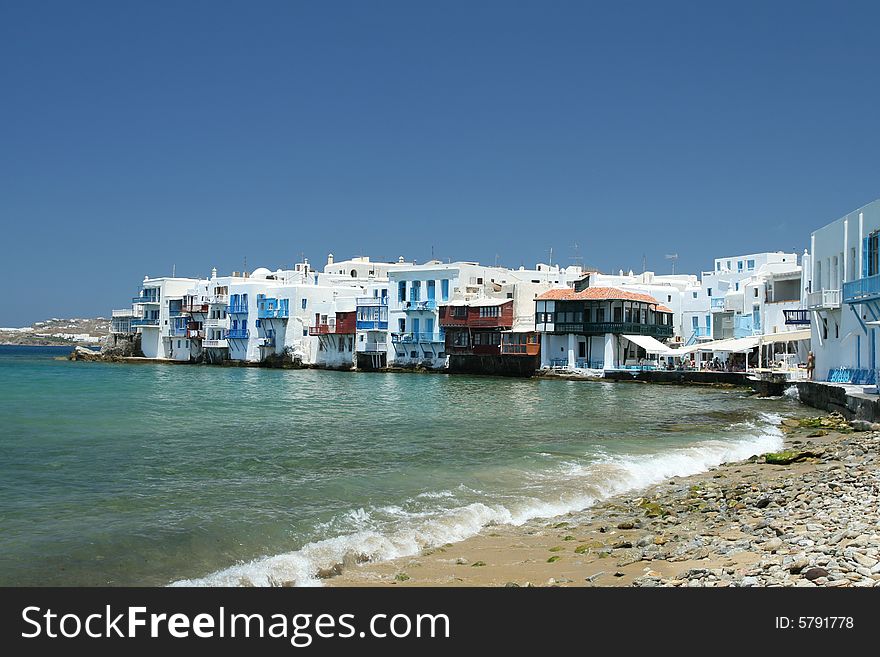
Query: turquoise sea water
pixel 157 474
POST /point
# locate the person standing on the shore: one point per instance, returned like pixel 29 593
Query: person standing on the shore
pixel 811 365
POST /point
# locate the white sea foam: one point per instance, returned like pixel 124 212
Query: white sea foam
pixel 571 486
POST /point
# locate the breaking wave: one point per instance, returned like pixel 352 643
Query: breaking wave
pixel 436 518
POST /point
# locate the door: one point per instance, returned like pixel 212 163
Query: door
pixel 431 290
pixel 415 327
pixel 429 325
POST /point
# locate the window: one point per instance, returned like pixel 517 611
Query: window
pixel 736 287
pixel 479 281
pixel 750 264
pixel 258 324
pixel 709 292
pixel 718 266
pixel 739 265
pixel 444 289
pixel 668 298
pixel 401 291
pixel 441 354
pixel 459 312
pixel 756 293
pixel 341 344
pixel 600 315
pixel 431 290
pixel 490 311
pixel 304 303
pixel 416 290
pixel 695 295
pixel 695 322
pixel 870 256
pixel 728 264
pixel 401 324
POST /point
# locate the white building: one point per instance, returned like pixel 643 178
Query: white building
pixel 158 307
pixel 844 296
pixel 416 291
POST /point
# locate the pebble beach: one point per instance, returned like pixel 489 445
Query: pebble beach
pixel 807 516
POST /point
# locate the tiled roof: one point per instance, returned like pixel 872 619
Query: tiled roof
pixel 600 294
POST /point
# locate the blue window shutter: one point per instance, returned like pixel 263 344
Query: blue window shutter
pixel 865 257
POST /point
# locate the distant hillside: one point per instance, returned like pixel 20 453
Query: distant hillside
pixel 57 331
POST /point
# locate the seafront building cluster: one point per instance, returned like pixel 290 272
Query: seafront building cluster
pixel 761 311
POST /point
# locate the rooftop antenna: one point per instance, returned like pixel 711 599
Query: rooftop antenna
pixel 496 259
pixel 173 271
pixel 432 252
pixel 245 263
pixel 644 263
pixel 576 258
pixel 551 257
pixel 673 257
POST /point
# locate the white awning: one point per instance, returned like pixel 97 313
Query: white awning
pixel 786 336
pixel 649 344
pixel 683 351
pixel 735 345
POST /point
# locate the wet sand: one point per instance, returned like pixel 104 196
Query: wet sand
pixel 812 522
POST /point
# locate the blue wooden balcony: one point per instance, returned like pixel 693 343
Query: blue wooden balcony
pixel 862 289
pixel 371 325
pixel 145 321
pixel 418 337
pixel 238 309
pixel 237 334
pixel 797 317
pixel 427 304
pixel 271 308
pixel 143 298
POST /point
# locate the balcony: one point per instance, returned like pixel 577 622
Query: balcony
pixel 195 334
pixel 418 337
pixel 125 312
pixel 238 334
pixel 322 329
pixel 372 301
pixel 217 322
pixel 797 317
pixel 371 325
pixel 238 309
pixel 716 304
pixel 177 331
pixel 271 308
pixel 428 304
pixel 145 321
pixel 823 299
pixel 145 299
pixel 472 321
pixel 744 327
pixel 216 344
pixel 218 300
pixel 702 332
pixel 626 328
pixel 200 307
pixel 862 289
pixel 372 347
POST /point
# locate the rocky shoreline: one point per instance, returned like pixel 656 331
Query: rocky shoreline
pixel 807 516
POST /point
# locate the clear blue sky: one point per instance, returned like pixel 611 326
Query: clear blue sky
pixel 139 135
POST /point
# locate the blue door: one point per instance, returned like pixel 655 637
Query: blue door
pixel 429 327
pixel 415 327
pixel 431 289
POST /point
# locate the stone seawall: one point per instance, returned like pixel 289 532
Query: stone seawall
pixel 853 405
pixel 522 366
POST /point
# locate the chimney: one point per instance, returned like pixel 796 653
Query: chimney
pixel 329 259
pixel 401 260
pixel 214 272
